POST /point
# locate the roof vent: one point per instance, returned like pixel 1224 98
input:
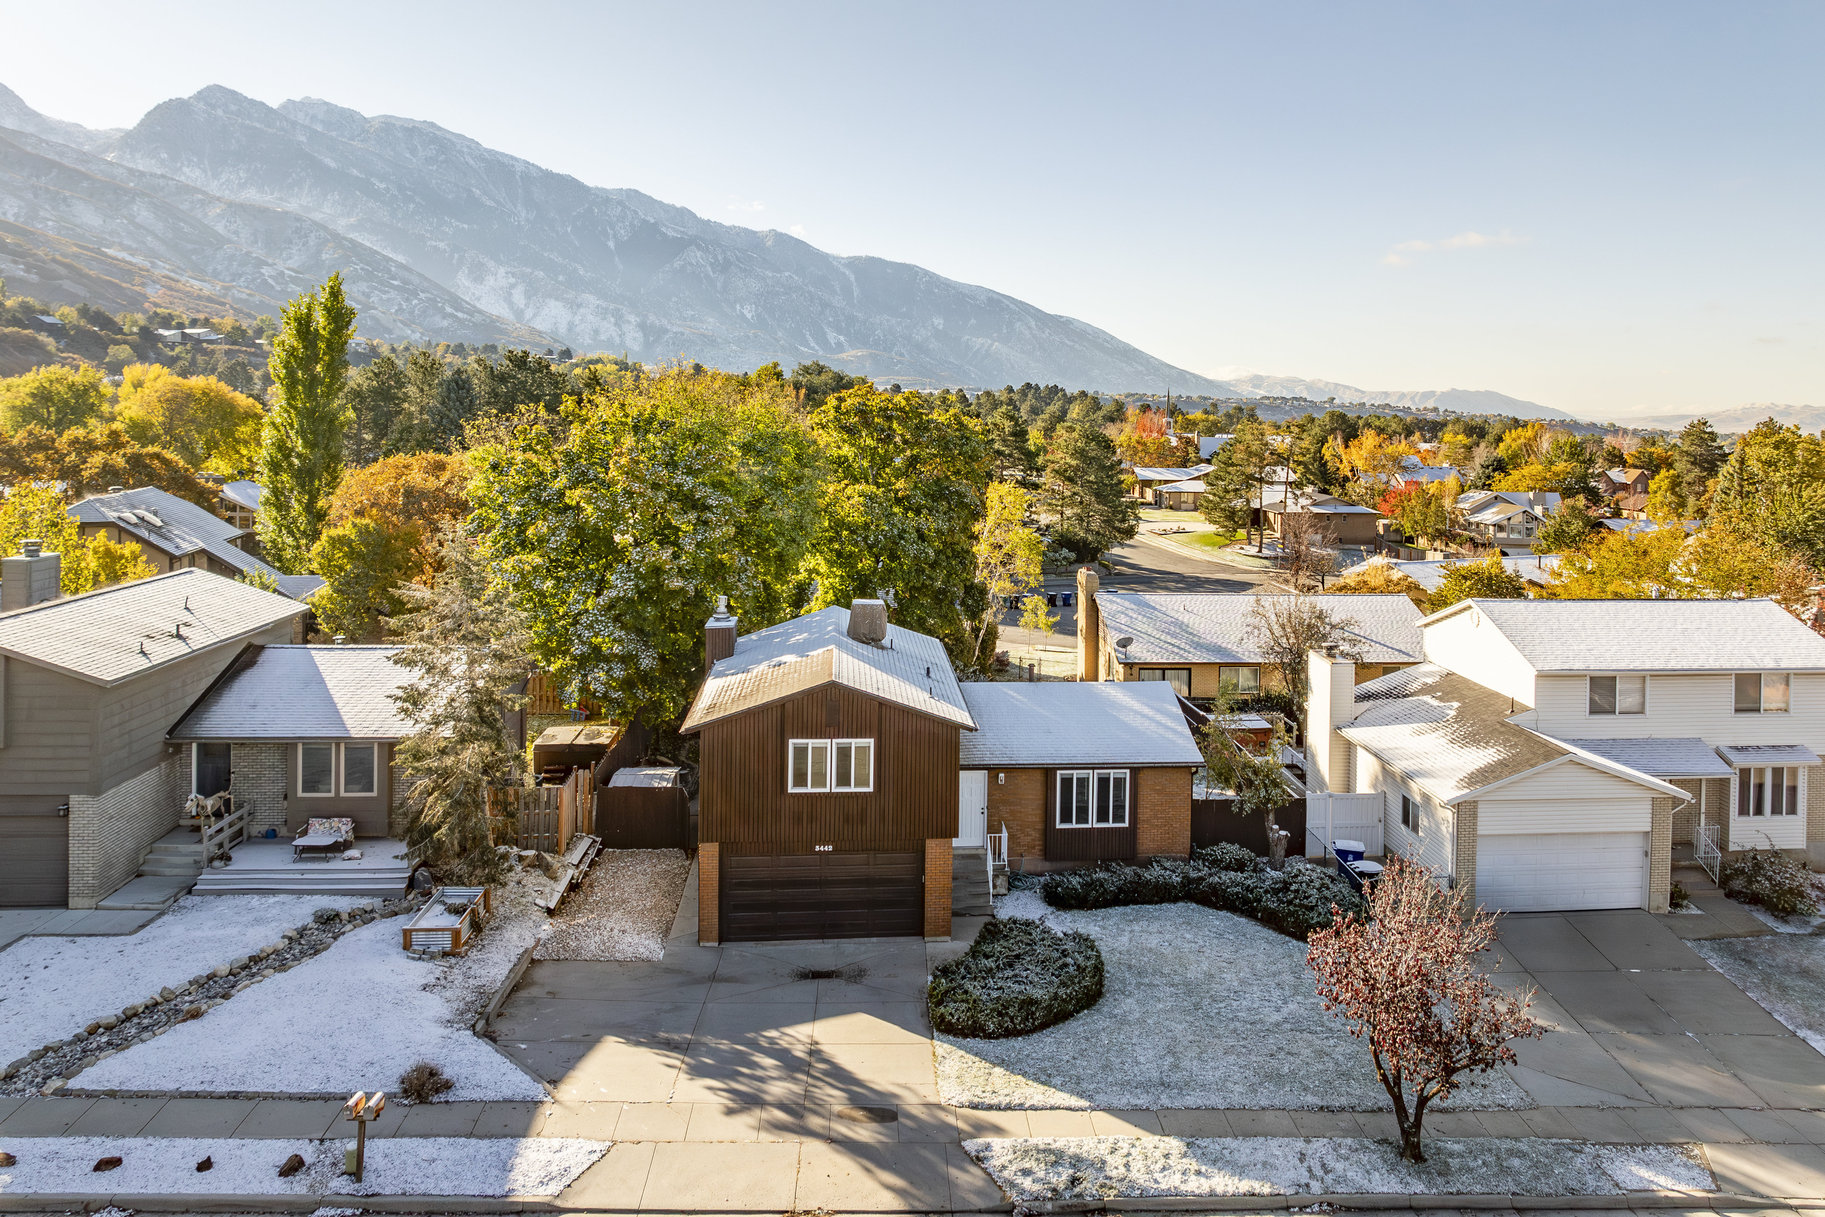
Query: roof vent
pixel 31 547
pixel 117 490
pixel 868 621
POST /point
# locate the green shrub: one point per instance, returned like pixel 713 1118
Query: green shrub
pixel 1018 977
pixel 1300 898
pixel 1295 901
pixel 1229 891
pixel 1771 879
pixel 1227 856
pixel 1111 884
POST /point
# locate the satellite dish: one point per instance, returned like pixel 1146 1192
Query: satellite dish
pixel 1124 642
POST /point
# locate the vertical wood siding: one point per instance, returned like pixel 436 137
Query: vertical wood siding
pixel 1087 844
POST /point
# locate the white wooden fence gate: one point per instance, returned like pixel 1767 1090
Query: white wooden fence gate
pixel 1346 817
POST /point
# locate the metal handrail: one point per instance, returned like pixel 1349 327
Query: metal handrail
pixel 998 849
pixel 1706 849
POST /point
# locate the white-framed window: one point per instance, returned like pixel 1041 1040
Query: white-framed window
pixel 1768 790
pixel 1409 814
pixel 317 771
pixel 1239 679
pixel 815 766
pixel 1762 693
pixel 1092 798
pixel 1178 678
pixel 359 772
pixel 1626 694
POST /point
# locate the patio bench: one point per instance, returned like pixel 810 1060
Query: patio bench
pixel 323 839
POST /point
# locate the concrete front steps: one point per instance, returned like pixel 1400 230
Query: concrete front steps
pixel 167 871
pixel 970 884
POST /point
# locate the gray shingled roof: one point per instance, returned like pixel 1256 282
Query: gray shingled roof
pixel 179 527
pixel 1214 627
pixel 1063 723
pixel 1668 757
pixel 243 492
pixel 1768 754
pixel 118 632
pixel 908 669
pixel 302 693
pixel 1571 636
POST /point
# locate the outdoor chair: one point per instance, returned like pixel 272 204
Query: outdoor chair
pixel 323 839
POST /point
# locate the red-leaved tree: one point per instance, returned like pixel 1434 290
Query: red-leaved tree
pixel 1406 980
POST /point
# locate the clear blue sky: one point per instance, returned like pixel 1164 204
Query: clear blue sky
pixel 1604 208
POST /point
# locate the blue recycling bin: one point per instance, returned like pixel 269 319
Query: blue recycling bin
pixel 1348 852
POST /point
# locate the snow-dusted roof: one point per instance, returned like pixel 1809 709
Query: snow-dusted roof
pixel 1451 736
pixel 1063 723
pixel 646 777
pixel 1194 486
pixel 179 527
pixel 907 668
pixel 1166 473
pixel 1496 511
pixel 1535 568
pixel 1768 754
pixel 1216 627
pixel 1670 757
pixel 243 493
pixel 1570 636
pixel 302 693
pixel 116 633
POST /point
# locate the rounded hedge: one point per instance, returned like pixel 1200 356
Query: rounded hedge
pixel 1295 900
pixel 1018 977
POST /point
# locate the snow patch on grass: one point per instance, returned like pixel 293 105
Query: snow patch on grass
pixel 408 1166
pixel 1200 1009
pixel 51 988
pixel 353 1018
pixel 1099 1168
pixel 1784 974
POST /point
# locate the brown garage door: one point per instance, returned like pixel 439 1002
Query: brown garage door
pixel 847 895
pixel 34 861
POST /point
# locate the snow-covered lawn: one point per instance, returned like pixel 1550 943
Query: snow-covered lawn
pixel 1199 1009
pixel 623 910
pixel 1785 973
pixel 410 1166
pixel 353 1018
pixel 1096 1168
pixel 51 988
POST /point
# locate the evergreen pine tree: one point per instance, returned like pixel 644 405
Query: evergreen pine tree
pixel 1083 492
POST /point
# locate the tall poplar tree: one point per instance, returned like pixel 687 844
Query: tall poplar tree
pixel 301 450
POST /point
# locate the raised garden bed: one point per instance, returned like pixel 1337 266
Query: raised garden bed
pixel 449 921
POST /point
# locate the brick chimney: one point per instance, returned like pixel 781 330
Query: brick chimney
pixel 30 577
pixel 719 633
pixel 868 621
pixel 1089 626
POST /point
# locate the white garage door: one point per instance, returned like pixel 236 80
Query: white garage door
pixel 1542 872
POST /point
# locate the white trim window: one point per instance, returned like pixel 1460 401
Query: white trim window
pixel 360 770
pixel 1178 678
pixel 1763 790
pixel 1624 694
pixel 1762 693
pixel 1409 814
pixel 821 766
pixel 317 771
pixel 1092 798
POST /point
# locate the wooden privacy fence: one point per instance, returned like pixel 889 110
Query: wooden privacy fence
pixel 546 696
pixel 1213 821
pixel 543 817
pixel 643 808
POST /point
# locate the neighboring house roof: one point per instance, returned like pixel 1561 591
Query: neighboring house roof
pixel 1670 757
pixel 652 777
pixel 1496 512
pixel 1194 486
pixel 179 527
pixel 1209 444
pixel 1166 473
pixel 1216 627
pixel 1451 736
pixel 908 669
pixel 1625 475
pixel 1055 724
pixel 302 693
pixel 1539 500
pixel 1768 754
pixel 1534 568
pixel 243 493
pixel 1576 636
pixel 119 632
pixel 1426 473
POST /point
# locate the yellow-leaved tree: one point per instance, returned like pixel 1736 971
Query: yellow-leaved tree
pixel 1010 560
pixel 39 513
pixel 206 423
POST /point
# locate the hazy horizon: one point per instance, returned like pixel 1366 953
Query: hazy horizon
pixel 1609 212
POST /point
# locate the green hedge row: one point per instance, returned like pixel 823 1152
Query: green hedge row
pixel 1295 900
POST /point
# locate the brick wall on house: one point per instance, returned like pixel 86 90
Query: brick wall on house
pixel 709 893
pixel 1463 865
pixel 938 888
pixel 111 832
pixel 396 814
pixel 1685 816
pixel 1162 803
pixel 260 776
pixel 1815 807
pixel 1660 854
pixel 1020 803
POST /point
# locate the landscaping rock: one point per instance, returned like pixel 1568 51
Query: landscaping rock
pixel 106 1164
pixel 7 1159
pixel 291 1166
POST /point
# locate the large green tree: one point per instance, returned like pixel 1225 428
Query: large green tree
pixel 53 397
pixel 898 510
pixel 301 452
pixel 618 524
pixel 1082 498
pixel 1235 485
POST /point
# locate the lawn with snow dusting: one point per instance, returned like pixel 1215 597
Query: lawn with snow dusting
pixel 51 988
pixel 1101 1168
pixel 1784 973
pixel 1199 1009
pixel 353 1018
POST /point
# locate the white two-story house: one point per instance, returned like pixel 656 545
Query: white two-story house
pixel 1549 754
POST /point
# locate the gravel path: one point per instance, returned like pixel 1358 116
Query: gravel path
pixel 623 910
pixel 1199 1009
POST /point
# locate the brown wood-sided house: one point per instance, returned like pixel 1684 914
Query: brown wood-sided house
pixel 846 777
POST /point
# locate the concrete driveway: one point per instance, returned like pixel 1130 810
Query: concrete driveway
pixel 1638 1019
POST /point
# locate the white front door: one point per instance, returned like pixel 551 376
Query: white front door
pixel 1543 872
pixel 972 809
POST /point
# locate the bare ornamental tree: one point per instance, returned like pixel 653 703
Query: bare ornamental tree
pixel 1308 550
pixel 1285 629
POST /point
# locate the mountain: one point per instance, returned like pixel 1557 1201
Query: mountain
pixel 1455 401
pixel 1737 419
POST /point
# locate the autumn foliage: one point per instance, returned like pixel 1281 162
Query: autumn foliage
pixel 1406 980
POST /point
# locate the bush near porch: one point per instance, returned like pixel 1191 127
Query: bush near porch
pixel 1295 900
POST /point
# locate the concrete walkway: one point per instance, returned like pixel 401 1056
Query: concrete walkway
pixel 70 923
